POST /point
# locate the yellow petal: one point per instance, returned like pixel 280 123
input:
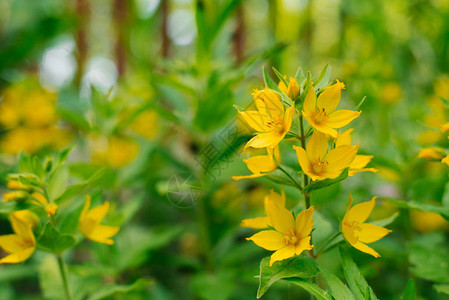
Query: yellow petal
pixel 352 172
pixel 330 97
pixel 40 198
pixel 360 212
pixel 256 120
pixel 310 102
pixel 276 198
pixel 256 223
pixel 348 234
pixel 293 88
pixel 85 207
pixel 316 148
pixel 445 160
pixel 284 253
pixel 431 153
pixel 321 127
pixel 98 213
pixel 261 163
pixel 341 118
pixel 303 159
pixel 340 158
pixel 304 223
pixel 276 154
pixel 17 257
pixel 360 161
pixel 280 217
pixel 268 239
pixel 288 118
pixel 236 178
pixel 364 248
pixel 102 234
pixel 271 102
pixel 11 243
pixel 344 138
pixel 371 233
pixel 265 140
pixel 22 222
pixel 303 245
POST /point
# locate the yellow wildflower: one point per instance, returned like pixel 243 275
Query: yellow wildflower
pixel 146 124
pixel 434 153
pixel 428 221
pixel 356 231
pixel 292 91
pixel 14 196
pixel 321 114
pixel 15 184
pixel 50 208
pixel 115 151
pixel 391 93
pixel 270 121
pixel 360 161
pixel 444 128
pixel 289 236
pixel 317 163
pixel 261 165
pixel 445 160
pixel 22 243
pixel 264 222
pixel 89 223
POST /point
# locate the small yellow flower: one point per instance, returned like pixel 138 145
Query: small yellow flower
pixel 50 208
pixel 321 114
pixel 317 163
pixel 360 161
pixel 115 151
pixel 14 184
pixel 146 124
pixel 356 231
pixel 433 153
pixel 89 223
pixel 292 91
pixel 427 221
pixel 261 165
pixel 14 196
pixel 270 121
pixel 264 222
pixel 445 160
pixel 444 128
pixel 22 243
pixel 289 236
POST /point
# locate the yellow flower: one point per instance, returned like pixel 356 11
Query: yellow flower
pixel 115 151
pixel 264 222
pixel 427 221
pixel 434 153
pixel 445 160
pixel 15 184
pixel 89 223
pixel 270 120
pixel 289 236
pixel 146 124
pixel 262 165
pixel 360 161
pixel 321 114
pixel 317 163
pixel 50 208
pixel 22 243
pixel 391 93
pixel 356 231
pixel 14 196
pixel 292 91
pixel 444 128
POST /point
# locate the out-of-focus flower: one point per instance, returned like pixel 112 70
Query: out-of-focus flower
pixel 434 153
pixel 427 221
pixel 441 86
pixel 289 236
pixel 321 114
pixel 50 208
pixel 262 165
pixel 14 196
pixel 89 223
pixel 317 163
pixel 391 93
pixel 146 124
pixel 292 91
pixel 270 121
pixel 356 231
pixel 360 161
pixel 115 151
pixel 264 222
pixel 22 243
pixel 444 128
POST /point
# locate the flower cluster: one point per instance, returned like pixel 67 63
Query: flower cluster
pixel 323 153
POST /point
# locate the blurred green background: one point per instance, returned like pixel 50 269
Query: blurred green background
pixel 144 89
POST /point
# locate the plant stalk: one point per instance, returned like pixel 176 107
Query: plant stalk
pixel 64 277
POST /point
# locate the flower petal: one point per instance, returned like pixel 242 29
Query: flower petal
pixel 260 163
pixel 341 118
pixel 445 160
pixel 303 245
pixel 11 243
pixel 303 159
pixel 364 248
pixel 360 161
pixel 304 223
pixel 256 223
pixel 316 148
pixel 344 138
pixel 340 158
pixel 18 257
pixel 284 253
pixel 360 212
pixel 102 234
pixel 236 178
pixel 330 97
pixel 256 120
pixel 268 239
pixel 371 233
pixel 281 218
pixel 288 117
pixel 98 213
pixel 276 198
pixel 271 102
pixel 348 234
pixel 265 140
pixel 310 101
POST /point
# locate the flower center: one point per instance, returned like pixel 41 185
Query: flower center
pixel 290 238
pixel 25 243
pixel 320 115
pixel 318 167
pixel 354 226
pixel 275 125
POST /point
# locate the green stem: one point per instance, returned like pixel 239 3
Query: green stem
pixel 64 277
pixel 305 178
pixel 291 178
pixel 323 247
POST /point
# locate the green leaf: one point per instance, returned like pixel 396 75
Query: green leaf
pixel 57 183
pixel 25 164
pixel 355 279
pixel 53 241
pixel 302 267
pixel 409 292
pixel 339 290
pixel 316 185
pixel 116 289
pixel 312 288
pixel 360 104
pixel 430 263
pixel 386 221
pixel 299 75
pixel 442 288
pixel 445 199
pixel 280 76
pixel 323 80
pixel 268 81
